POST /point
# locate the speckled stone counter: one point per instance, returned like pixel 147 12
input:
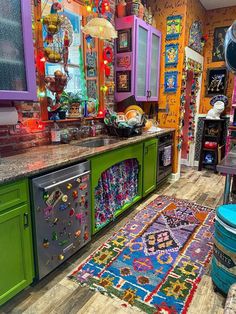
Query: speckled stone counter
pixel 48 158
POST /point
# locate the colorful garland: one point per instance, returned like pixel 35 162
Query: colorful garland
pixel 196 68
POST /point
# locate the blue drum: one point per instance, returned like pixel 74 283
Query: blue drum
pixel 223 271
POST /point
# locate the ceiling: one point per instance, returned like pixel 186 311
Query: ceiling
pixel 215 4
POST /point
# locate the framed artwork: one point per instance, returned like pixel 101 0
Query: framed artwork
pixel 171 82
pixel 124 40
pixel 92 89
pixel 173 27
pixel 195 37
pixel 123 61
pixel 216 82
pixel 91 62
pixel 218 44
pixel 123 81
pixel 171 55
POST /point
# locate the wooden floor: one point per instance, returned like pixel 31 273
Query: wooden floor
pixel 56 294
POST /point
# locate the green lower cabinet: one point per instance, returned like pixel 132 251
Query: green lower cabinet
pixel 102 163
pixel 16 259
pixel 149 166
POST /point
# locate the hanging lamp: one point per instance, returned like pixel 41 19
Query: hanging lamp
pixel 101 28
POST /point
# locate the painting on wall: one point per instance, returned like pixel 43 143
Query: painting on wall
pixel 218 44
pixel 172 55
pixel 216 82
pixel 91 61
pixel 195 37
pixel 92 89
pixel 173 30
pixel 171 82
pixel 124 41
pixel 123 81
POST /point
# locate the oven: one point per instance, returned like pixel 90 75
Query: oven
pixel 164 156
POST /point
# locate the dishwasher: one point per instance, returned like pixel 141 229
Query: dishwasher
pixel 61 215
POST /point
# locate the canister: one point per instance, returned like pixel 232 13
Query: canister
pixel 223 270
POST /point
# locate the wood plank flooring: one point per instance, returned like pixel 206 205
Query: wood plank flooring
pixel 57 295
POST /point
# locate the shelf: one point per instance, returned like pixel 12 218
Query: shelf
pixel 72 120
pixel 12 62
pixel 9 22
pixel 211 136
pixel 210 149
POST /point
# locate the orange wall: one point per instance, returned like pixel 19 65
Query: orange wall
pixel 215 18
pixel 162 9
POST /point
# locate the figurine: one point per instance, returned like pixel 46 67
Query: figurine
pixel 219 103
pixel 56 85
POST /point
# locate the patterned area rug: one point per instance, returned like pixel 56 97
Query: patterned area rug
pixel 157 259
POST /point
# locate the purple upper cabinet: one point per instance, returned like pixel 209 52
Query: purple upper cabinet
pixel 17 66
pixel 137 60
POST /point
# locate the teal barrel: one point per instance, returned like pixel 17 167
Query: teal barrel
pixel 223 270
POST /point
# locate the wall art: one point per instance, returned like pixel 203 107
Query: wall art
pixel 124 41
pixel 173 27
pixel 171 55
pixel 92 89
pixel 123 81
pixel 123 61
pixel 195 37
pixel 91 61
pixel 216 82
pixel 218 44
pixel 171 82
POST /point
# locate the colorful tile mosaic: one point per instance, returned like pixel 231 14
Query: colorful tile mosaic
pixel 157 259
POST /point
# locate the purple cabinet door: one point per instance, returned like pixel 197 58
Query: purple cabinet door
pixel 154 64
pixel 17 66
pixel 141 60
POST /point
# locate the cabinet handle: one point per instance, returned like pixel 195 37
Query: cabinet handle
pixel 146 150
pixel 148 93
pixel 26 220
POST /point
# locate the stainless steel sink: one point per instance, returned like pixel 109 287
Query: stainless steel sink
pixel 98 142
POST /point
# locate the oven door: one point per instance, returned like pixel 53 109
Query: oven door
pixel 164 161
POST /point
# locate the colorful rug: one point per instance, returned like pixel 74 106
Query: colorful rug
pixel 156 261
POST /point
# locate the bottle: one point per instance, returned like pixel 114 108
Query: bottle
pixel 93 129
pixel 55 134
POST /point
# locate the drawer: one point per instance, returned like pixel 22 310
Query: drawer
pixel 12 194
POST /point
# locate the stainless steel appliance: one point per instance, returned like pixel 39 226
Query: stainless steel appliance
pixel 61 215
pixel 164 156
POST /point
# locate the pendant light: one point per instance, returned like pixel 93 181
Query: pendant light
pixel 101 28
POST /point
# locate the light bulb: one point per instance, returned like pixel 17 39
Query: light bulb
pixel 89 8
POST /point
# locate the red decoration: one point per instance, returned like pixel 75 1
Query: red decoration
pixel 107 59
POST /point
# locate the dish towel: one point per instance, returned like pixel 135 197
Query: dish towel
pixel 167 155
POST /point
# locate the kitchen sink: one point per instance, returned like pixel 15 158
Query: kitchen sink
pixel 98 142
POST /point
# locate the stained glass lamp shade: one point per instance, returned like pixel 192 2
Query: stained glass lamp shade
pixel 100 28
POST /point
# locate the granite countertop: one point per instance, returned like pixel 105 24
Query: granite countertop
pixel 228 164
pixel 47 158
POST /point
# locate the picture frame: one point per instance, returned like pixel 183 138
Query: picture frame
pixel 171 55
pixel 123 41
pixel 171 82
pixel 218 54
pixel 216 83
pixel 123 81
pixel 173 27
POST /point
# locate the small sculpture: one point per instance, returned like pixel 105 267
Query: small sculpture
pixel 56 85
pixel 219 103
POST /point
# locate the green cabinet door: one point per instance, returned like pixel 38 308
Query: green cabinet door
pixel 149 166
pixel 16 257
